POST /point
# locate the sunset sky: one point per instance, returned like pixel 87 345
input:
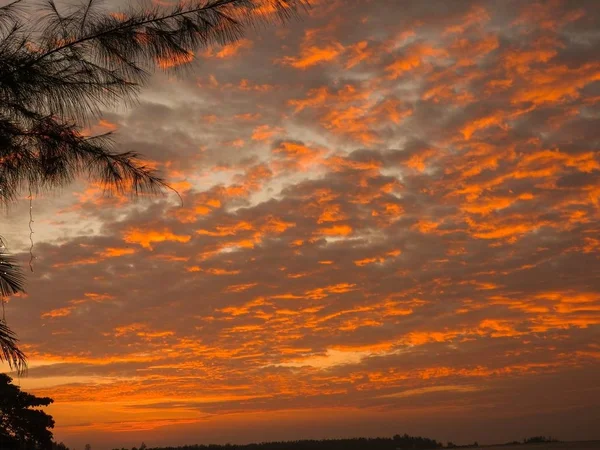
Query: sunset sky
pixel 390 224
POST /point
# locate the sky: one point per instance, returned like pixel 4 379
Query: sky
pixel 390 224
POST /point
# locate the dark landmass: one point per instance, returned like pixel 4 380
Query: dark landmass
pixel 398 442
pixel 546 445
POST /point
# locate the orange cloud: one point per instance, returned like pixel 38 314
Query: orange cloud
pixel 556 84
pixel 240 287
pixel 413 58
pixel 246 85
pixel 319 293
pixel 358 53
pixel 265 132
pixel 116 252
pixel 496 119
pixel 230 50
pixel 323 96
pixel 294 155
pixel 228 231
pixel 331 213
pixel 146 238
pixel 313 55
pixel 477 16
pixel 61 312
pixel 378 259
pixel 175 60
pixel 336 230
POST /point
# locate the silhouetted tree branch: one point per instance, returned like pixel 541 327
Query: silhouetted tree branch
pixel 11 282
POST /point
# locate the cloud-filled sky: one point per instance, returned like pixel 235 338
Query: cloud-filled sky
pixel 390 224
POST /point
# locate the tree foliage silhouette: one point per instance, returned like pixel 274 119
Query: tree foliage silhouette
pixel 21 425
pixel 59 69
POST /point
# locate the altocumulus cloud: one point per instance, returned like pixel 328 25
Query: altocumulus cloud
pixel 390 213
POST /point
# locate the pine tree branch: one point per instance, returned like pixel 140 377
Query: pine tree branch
pixel 12 282
pixel 85 14
pixel 9 350
pixel 12 279
pixel 155 20
pixel 84 61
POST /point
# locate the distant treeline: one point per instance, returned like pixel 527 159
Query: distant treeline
pixel 534 440
pixel 397 442
pixel 404 442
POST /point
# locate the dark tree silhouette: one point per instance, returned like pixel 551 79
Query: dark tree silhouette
pixel 539 440
pixel 21 426
pixel 59 69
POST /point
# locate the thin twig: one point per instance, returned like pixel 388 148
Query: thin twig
pixel 31 256
pixel 176 193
